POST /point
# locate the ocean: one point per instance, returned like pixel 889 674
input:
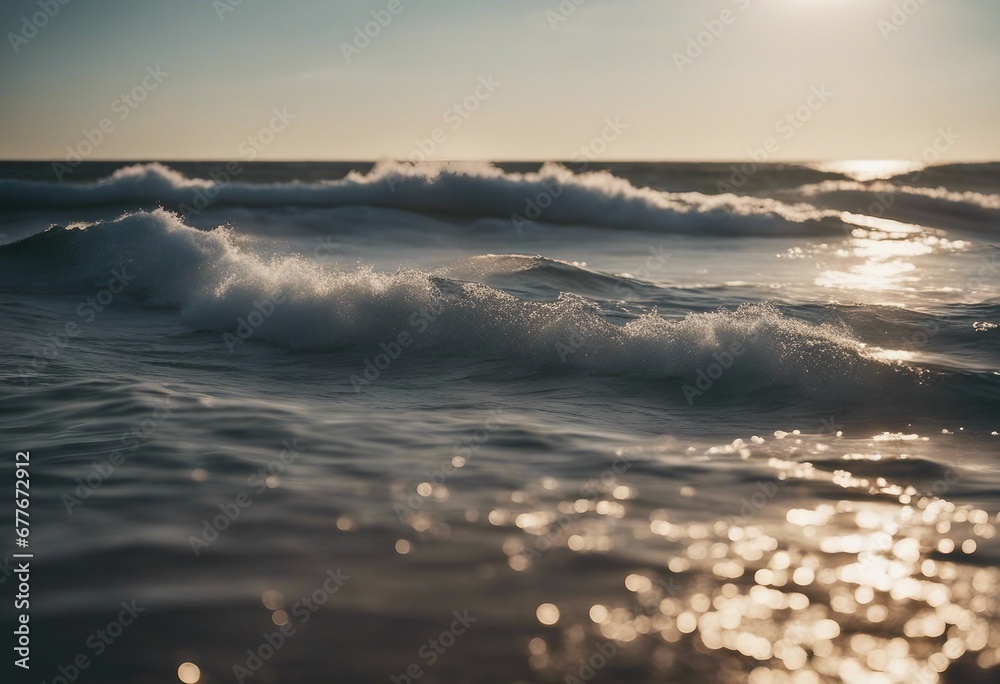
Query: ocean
pixel 511 422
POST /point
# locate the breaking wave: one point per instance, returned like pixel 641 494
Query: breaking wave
pixel 554 194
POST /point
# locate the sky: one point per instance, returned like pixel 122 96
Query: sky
pixel 678 80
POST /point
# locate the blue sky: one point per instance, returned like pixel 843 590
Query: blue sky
pixel 561 75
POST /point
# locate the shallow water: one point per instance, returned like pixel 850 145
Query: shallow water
pixel 668 432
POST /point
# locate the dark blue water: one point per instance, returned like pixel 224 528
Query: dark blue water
pixel 670 422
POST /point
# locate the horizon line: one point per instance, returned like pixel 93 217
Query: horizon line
pixel 796 162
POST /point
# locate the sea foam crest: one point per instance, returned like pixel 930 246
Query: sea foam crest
pixel 553 194
pixel 215 280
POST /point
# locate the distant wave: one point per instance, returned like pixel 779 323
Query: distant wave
pixel 889 194
pixel 554 194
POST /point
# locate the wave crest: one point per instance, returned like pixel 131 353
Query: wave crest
pixel 217 283
pixel 553 194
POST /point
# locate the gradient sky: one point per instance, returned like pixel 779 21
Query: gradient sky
pixel 607 59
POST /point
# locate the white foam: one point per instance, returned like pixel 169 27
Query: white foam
pixel 215 281
pixel 472 189
pixel 976 199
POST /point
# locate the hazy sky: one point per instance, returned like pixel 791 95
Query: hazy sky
pixel 560 76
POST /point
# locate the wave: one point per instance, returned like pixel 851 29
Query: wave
pixel 218 285
pixel 537 276
pixel 977 199
pixel 974 209
pixel 554 194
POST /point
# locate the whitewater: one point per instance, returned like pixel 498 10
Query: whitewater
pixel 725 426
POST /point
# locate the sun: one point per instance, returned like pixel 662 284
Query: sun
pixel 864 170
